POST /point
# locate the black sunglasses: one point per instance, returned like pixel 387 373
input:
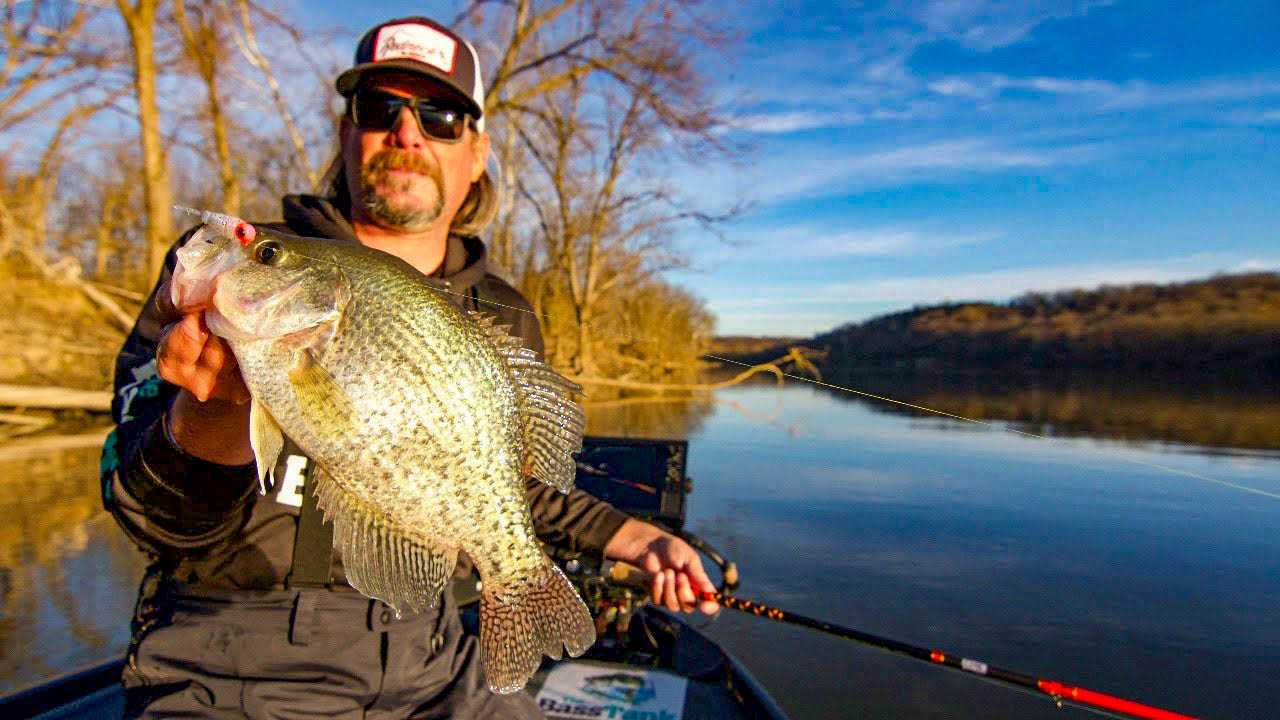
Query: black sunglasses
pixel 378 110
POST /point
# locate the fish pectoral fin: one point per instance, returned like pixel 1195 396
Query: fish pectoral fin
pixel 266 440
pixel 379 558
pixel 325 407
pixel 551 421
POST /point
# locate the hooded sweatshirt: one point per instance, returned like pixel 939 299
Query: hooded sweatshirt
pixel 205 524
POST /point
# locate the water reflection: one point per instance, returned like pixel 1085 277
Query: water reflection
pixel 1194 410
pixel 1046 557
pixel 655 418
pixel 67 573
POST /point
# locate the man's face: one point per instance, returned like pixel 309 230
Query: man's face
pixel 401 179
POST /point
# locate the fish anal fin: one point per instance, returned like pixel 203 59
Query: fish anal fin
pixel 266 440
pixel 551 422
pixel 379 559
pixel 518 626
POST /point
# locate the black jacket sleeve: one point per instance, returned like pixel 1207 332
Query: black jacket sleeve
pixel 169 502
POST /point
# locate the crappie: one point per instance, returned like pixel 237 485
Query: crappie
pixel 421 420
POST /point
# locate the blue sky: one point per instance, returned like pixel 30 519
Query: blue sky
pixel 916 151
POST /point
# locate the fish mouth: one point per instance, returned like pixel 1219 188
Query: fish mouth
pixel 195 276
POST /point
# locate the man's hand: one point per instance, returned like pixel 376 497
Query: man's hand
pixel 674 566
pixel 210 416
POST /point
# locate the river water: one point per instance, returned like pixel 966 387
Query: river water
pixel 1073 557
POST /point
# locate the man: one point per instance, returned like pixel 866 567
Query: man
pixel 245 611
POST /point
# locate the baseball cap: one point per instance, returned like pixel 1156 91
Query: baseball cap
pixel 421 46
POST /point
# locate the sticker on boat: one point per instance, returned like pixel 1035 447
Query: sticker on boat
pixel 578 690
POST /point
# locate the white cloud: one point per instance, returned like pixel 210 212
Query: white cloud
pixel 879 242
pixel 1071 86
pixel 960 154
pixel 793 322
pixel 1219 96
pixel 963 87
pixel 795 310
pixel 1257 265
pixel 985 25
pixel 1211 90
pixel 1254 117
pixel 792 121
pixel 814 242
pixel 875 72
pixel 824 169
pixel 1006 284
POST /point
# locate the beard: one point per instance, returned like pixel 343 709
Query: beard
pixel 390 200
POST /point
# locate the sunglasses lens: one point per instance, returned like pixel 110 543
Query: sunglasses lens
pixel 440 123
pixel 374 110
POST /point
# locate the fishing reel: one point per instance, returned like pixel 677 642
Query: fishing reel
pixel 615 591
pixel 646 479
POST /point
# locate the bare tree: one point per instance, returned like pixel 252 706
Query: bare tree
pixel 247 40
pixel 587 100
pixel 140 19
pixel 205 44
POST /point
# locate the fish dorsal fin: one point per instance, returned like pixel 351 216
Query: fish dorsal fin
pixel 266 440
pixel 551 422
pixel 380 561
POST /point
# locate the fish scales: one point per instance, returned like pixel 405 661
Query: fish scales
pixel 419 420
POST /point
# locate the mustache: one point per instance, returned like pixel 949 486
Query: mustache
pixel 390 159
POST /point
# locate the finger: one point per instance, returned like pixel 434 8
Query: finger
pixel 216 356
pixel 669 598
pixel 709 607
pixel 658 580
pixel 181 342
pixel 229 384
pixel 212 367
pixel 684 592
pixel 698 574
pixel 163 305
pixel 178 356
pixel 652 564
pixel 239 389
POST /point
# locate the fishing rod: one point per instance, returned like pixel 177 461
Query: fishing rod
pixel 1056 691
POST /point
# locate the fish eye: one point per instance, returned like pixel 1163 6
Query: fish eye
pixel 269 253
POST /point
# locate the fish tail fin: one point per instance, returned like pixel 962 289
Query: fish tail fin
pixel 519 626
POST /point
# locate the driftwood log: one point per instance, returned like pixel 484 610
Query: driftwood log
pixel 797 359
pixel 54 398
pixel 42 446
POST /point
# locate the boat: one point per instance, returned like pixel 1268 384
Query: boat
pixel 647 664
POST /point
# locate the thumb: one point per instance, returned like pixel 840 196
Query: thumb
pixel 699 576
pixel 162 303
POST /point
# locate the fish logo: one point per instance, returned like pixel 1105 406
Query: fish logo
pixel 620 687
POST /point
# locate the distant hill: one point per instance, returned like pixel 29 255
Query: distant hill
pixel 1228 324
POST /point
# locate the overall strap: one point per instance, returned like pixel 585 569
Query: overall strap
pixel 313 545
pixel 482 292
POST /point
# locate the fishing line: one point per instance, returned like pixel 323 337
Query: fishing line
pixel 994 426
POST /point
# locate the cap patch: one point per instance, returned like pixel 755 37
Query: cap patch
pixel 416 42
